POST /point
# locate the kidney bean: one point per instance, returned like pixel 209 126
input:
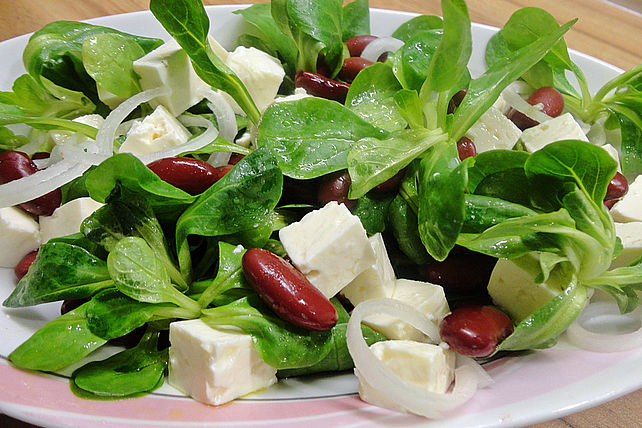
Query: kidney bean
pixel 390 185
pixel 71 304
pixel 15 165
pixel 335 187
pixel 456 100
pixel 357 44
pixel 235 158
pixel 618 187
pixel 466 148
pixel 287 291
pixel 550 98
pixel 609 203
pixel 475 331
pixel 191 175
pixel 321 86
pixel 23 265
pixel 40 155
pixel 351 67
pixel 461 272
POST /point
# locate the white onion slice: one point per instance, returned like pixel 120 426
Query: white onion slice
pixel 520 104
pixel 607 315
pixel 224 113
pixel 379 46
pixel 194 144
pixel 402 393
pixel 107 132
pixel 41 182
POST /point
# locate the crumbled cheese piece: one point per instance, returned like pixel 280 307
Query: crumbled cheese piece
pixel 19 235
pixel 66 219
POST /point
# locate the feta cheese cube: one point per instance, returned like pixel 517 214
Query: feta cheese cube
pixel 215 366
pixel 329 246
pixel 563 127
pixel 612 151
pixel 19 235
pixel 377 281
pixel 261 74
pixel 158 131
pixel 427 298
pixel 629 208
pixel 514 290
pixel 64 137
pixel 110 99
pixel 631 236
pixel 169 66
pixel 66 219
pixel 430 367
pixel 493 131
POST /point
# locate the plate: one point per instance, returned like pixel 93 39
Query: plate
pixel 531 388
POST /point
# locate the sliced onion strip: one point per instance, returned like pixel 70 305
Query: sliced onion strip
pixel 224 113
pixel 520 104
pixel 404 394
pixel 379 46
pixel 608 315
pixel 107 132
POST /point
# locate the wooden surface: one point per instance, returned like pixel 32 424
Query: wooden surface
pixel 604 30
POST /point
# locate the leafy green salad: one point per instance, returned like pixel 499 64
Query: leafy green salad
pixel 289 124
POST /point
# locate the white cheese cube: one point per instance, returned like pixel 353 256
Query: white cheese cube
pixel 563 127
pixel 329 246
pixel 110 99
pixel 514 290
pixel 612 151
pixel 169 66
pixel 493 131
pixel 261 74
pixel 631 236
pixel 427 298
pixel 64 137
pixel 502 105
pixel 629 208
pixel 215 366
pixel 430 367
pixel 158 131
pixel 66 219
pixel 19 235
pixel 378 281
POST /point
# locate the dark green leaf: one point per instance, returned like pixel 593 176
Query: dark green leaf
pixel 356 19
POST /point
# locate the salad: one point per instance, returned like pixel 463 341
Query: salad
pixel 379 163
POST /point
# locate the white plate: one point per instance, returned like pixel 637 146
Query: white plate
pixel 531 388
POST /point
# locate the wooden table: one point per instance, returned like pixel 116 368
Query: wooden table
pixel 604 30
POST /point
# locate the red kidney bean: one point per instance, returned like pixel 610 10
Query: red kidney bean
pixel 71 304
pixel 466 148
pixel 609 203
pixel 335 187
pixel 321 86
pixel 461 272
pixel 618 187
pixel 475 331
pixel 456 100
pixel 40 155
pixel 191 175
pixel 390 185
pixel 15 165
pixel 287 291
pixel 23 265
pixel 351 67
pixel 235 158
pixel 357 44
pixel 550 98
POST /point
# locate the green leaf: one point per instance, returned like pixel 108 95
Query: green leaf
pixel 372 97
pixel 541 329
pixel 412 27
pixel 356 19
pixel 483 212
pixel 372 211
pixel 631 146
pixel 108 58
pixel 411 62
pixel 187 22
pixel 228 278
pixel 311 137
pixel 403 222
pixel 442 181
pixel 373 161
pixel 130 373
pixel 60 271
pixel 279 343
pixel 58 344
